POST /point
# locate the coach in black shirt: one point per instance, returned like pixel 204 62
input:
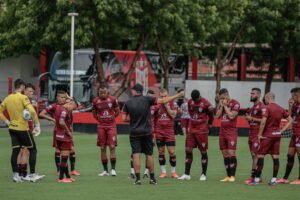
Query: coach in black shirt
pixel 137 111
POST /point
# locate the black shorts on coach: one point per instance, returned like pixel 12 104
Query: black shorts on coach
pixel 142 144
pixel 20 139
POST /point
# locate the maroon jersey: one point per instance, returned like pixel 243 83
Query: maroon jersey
pixel 60 132
pixel 104 110
pixel 228 126
pixel 163 121
pixel 30 122
pixel 51 108
pixel 256 112
pixel 198 112
pixel 274 113
pixel 296 118
pixel 152 110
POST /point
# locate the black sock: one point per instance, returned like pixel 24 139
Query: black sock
pixel 289 166
pixel 113 163
pixel 20 169
pixel 227 163
pixel 72 160
pixel 152 176
pixel 188 162
pixel 138 176
pixel 14 159
pixel 162 160
pixel 57 160
pixel 253 173
pixel 233 164
pixel 32 160
pixel 275 167
pixel 172 160
pixel 64 168
pixel 104 163
pixel 260 166
pixel 204 161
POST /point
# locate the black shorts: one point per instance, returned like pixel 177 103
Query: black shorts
pixel 21 139
pixel 142 144
pixel 162 143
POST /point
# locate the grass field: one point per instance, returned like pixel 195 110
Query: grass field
pixel 90 186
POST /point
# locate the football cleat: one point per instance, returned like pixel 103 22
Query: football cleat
pixel 249 180
pixel 253 183
pixel 72 179
pixel 225 179
pixel 296 182
pixel 137 182
pixel 145 175
pixel 282 181
pixel 113 172
pixel 231 179
pixel 185 177
pixel 153 182
pixel 36 177
pixel 65 180
pixel 16 178
pixel 163 175
pixel 202 177
pixel 174 175
pixel 104 173
pixel 272 183
pixel 75 173
pixel 131 176
pixel 26 178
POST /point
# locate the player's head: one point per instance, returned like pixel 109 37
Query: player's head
pixel 29 90
pixel 61 97
pixel 296 94
pixel 195 95
pixel 71 105
pixel 269 97
pixel 255 94
pixel 151 93
pixel 19 85
pixel 223 94
pixel 163 93
pixel 137 90
pixel 103 92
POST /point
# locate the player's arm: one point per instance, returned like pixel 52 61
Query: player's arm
pixel 44 114
pixel 230 114
pixel 219 110
pixel 262 127
pixel 249 118
pixel 291 103
pixel 2 116
pixel 170 98
pixel 287 125
pixel 63 124
pixel 117 108
pixel 210 114
pixel 170 111
pixel 125 115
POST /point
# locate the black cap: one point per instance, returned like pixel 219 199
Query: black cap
pixel 138 87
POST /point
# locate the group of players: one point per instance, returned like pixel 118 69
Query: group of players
pixel 197 113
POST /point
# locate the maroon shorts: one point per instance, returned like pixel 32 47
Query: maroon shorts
pixel 184 123
pixel 295 141
pixel 253 143
pixel 107 136
pixel 227 142
pixel 269 146
pixel 165 137
pixel 194 140
pixel 64 145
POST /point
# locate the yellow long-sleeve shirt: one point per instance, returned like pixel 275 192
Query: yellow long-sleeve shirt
pixel 15 103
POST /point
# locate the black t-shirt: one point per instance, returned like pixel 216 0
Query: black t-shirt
pixel 138 108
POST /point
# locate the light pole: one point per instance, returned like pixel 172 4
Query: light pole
pixel 72 14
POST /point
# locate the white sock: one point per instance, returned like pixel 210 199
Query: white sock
pixel 146 171
pixel 131 171
pixel 163 168
pixel 173 169
pixel 273 179
pixel 256 179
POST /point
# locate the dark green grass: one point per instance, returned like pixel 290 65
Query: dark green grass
pixel 90 186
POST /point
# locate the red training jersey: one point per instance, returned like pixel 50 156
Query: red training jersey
pixel 256 112
pixel 60 133
pixel 228 126
pixel 296 118
pixel 104 109
pixel 163 121
pixel 274 113
pixel 198 112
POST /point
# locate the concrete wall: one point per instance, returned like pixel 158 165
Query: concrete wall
pixel 25 67
pixel 240 90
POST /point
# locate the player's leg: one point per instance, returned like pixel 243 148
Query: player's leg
pixel 172 157
pixel 232 143
pixel 24 152
pixel 101 142
pixel 275 157
pixel 161 156
pixel 16 147
pixel 190 143
pixel 19 162
pixel 297 182
pixel 27 143
pixel 131 175
pixel 72 159
pixel 112 142
pixel 202 143
pixel 147 148
pixel 136 148
pixel 57 159
pixel 223 144
pixel 64 175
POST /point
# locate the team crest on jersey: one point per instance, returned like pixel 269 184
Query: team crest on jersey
pixel 255 144
pixel 203 145
pixel 232 143
pixel 109 105
pixel 200 109
pixel 264 110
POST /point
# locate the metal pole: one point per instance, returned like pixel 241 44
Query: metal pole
pixel 72 15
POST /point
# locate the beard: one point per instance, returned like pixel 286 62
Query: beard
pixel 254 99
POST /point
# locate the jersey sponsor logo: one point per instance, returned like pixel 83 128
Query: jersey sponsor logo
pixel 276 133
pixel 264 110
pixel 224 118
pixel 164 116
pixel 63 114
pixel 60 136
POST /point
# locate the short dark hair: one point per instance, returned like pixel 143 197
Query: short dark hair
pixel 150 92
pixel 223 91
pixel 61 92
pixel 195 95
pixel 18 83
pixel 29 85
pixel 296 89
pixel 256 89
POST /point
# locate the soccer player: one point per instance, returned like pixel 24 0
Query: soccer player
pixel 185 117
pixel 254 118
pixel 15 104
pixel 164 133
pixel 33 177
pixel 63 138
pixel 269 136
pixel 201 117
pixel 105 110
pixel 228 110
pixel 137 111
pixel 294 146
pixel 48 114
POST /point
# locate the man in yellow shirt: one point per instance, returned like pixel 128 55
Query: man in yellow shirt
pixel 15 104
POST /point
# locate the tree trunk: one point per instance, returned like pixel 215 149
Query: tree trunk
pixel 100 72
pixel 165 64
pixel 126 81
pixel 271 72
pixel 218 69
